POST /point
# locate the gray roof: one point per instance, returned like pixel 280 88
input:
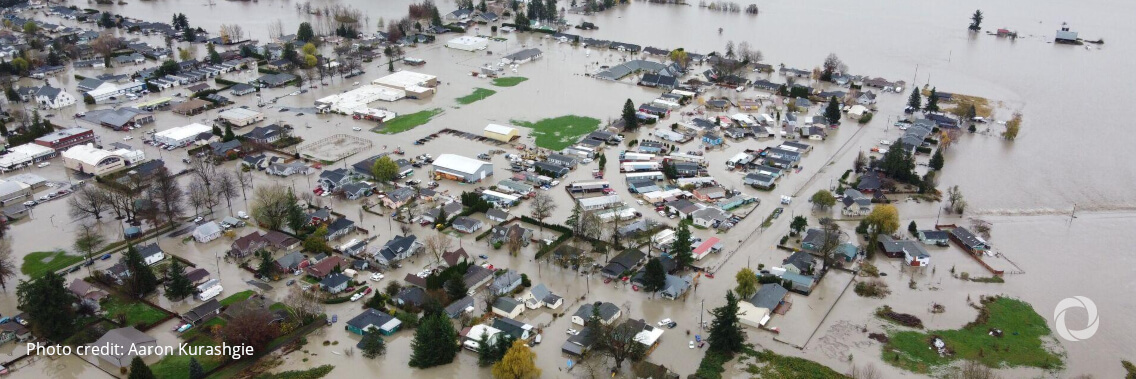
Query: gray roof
pixel 369 318
pixel 455 309
pixel 769 296
pixel 334 280
pixel 48 91
pixel 506 304
pixel 125 338
pixel 801 260
pixel 607 310
pixel 524 54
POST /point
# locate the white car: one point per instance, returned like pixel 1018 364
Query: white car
pixel 885 142
pixel 640 201
pixel 356 128
pixel 691 344
pixel 44 164
pixel 357 296
pixel 572 332
pixel 127 138
pixel 664 322
pixel 376 277
pixel 242 215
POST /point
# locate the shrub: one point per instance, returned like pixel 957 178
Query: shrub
pixel 867 117
pixel 874 288
pixel 886 313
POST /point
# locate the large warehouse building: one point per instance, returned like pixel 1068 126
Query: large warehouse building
pixel 241 116
pixel 501 132
pixel 356 100
pixel 415 85
pixel 465 169
pixel 468 43
pixel 25 155
pixel 182 135
pixel 88 159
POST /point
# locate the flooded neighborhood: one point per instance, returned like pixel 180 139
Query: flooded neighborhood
pixel 565 189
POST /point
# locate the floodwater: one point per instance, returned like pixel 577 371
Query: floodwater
pixel 1025 188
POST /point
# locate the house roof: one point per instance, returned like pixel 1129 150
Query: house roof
pixel 623 262
pixel 149 250
pixel 279 239
pixel 458 163
pixel 514 328
pixel 125 338
pixel 200 311
pixel 397 245
pixel 452 258
pixel 247 241
pixel 458 307
pixel 801 260
pixel 506 304
pixel 334 280
pixel 505 280
pixel 197 274
pixel 412 295
pixel 466 222
pixel 371 317
pixel 816 237
pixel 608 311
pixel 769 296
pixel 339 225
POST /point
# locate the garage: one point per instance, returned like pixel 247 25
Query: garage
pixel 501 132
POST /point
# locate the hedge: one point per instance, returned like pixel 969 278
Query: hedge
pixel 226 82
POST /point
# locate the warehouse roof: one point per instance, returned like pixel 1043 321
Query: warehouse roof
pixel 458 163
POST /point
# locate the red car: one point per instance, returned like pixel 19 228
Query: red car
pixel 368 291
pixel 635 288
pixel 710 275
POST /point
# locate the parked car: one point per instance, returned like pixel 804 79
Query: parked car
pixel 357 296
pixel 376 277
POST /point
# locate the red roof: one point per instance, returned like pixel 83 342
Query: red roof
pixel 704 247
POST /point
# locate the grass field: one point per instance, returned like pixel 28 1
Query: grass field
pixel 236 297
pixel 407 121
pixel 41 262
pixel 509 81
pixel 1021 344
pixel 560 132
pixel 478 94
pixel 136 312
pixel 177 366
pixel 767 364
pixel 312 373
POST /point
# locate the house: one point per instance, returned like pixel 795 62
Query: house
pixel 319 216
pixel 710 217
pixel 326 266
pixel 450 209
pixel 518 330
pixel 608 313
pixel 497 215
pixel 916 257
pixel 758 309
pixel 122 345
pixel 241 89
pixel 373 319
pixel 197 276
pixel 87 292
pixel 14 331
pixel 870 182
pixel 151 253
pixel 911 252
pixel 191 107
pixel 411 296
pixel 504 233
pixel 759 181
pixel 562 160
pixel 856 203
pixel 223 149
pixel 799 262
pixel 504 284
pixel 288 169
pixel 622 263
pixel 507 307
pixel 712 139
pixel 339 228
pixel 676 286
pixel 487 17
pixel 335 283
pixel 354 191
pixel 816 239
pixel 265 134
pixel 49 97
pixel 460 307
pixel 934 237
pixel 467 225
pixel 397 249
pixel 247 245
pixel 457 167
pixel 202 313
pixel 501 132
pixel 540 296
pixel 398 197
pixel 578 345
pixel 969 241
pixel 207 232
pixel 459 15
pixel 274 80
pixel 523 56
pixel 280 241
pixel 846 252
pixel 866 98
pixel 645 334
pixel 802 284
pixel 453 258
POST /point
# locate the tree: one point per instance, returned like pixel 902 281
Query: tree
pixel 799 224
pixel 747 283
pixel 682 248
pixel 542 207
pixel 304 33
pixel 726 336
pixel 630 116
pixel 142 280
pixel 1013 127
pixel 932 101
pixel 384 169
pixel 189 35
pixel 195 369
pixel 913 228
pixel 898 164
pixel 832 65
pixel 229 136
pixel 438 244
pixel 30 28
pixel 883 219
pixel 270 205
pixel 177 285
pixel 373 344
pixel 214 56
pixel 47 302
pixel 89 200
pixel 955 200
pixel 456 289
pixel 435 342
pixel 139 369
pixel 976 21
pixel 514 242
pixel 87 240
pixel 915 101
pixel 936 162
pixel 615 341
pixel 316 242
pixel 655 278
pixel 267 266
pixel 832 112
pixel 830 240
pixel 165 196
pixel 679 56
pixel 304 305
pixel 823 199
pixel 8 267
pixel 574 220
pixel 227 188
pixel 250 326
pixel 519 361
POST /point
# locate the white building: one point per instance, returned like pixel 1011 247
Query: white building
pixel 416 85
pixel 501 132
pixel 182 135
pixel 25 155
pixel 49 97
pixel 465 169
pixel 468 43
pixel 357 99
pixel 207 232
pixel 241 116
pixel 89 159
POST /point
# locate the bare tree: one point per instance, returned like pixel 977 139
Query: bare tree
pixel 438 244
pixel 830 240
pixel 302 304
pixel 866 372
pixel 251 326
pixel 165 197
pixel 87 239
pixel 89 200
pixel 7 265
pixel 515 242
pixel 270 205
pixel 198 197
pixel 227 188
pixel 232 33
pixel 276 29
pixel 105 45
pixel 542 207
pixel 591 226
pixel 205 171
pixel 244 180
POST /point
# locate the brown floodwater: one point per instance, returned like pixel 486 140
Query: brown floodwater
pixel 1070 152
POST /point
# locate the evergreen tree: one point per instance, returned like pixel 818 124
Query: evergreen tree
pixel 916 100
pixel 442 217
pixel 177 285
pixel 936 162
pixel 267 267
pixel 47 302
pixel 573 220
pixel 214 56
pixel 373 344
pixel 229 136
pixel 913 228
pixel 726 336
pixel 435 16
pixel 435 342
pixel 139 370
pixel 630 119
pixel 456 289
pixel 189 34
pixel 976 21
pixel 195 369
pixel 217 130
pixel 832 112
pixel 304 33
pixel 141 280
pixel 655 278
pixel 482 6
pixel 681 248
pixel 484 350
pixel 932 101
